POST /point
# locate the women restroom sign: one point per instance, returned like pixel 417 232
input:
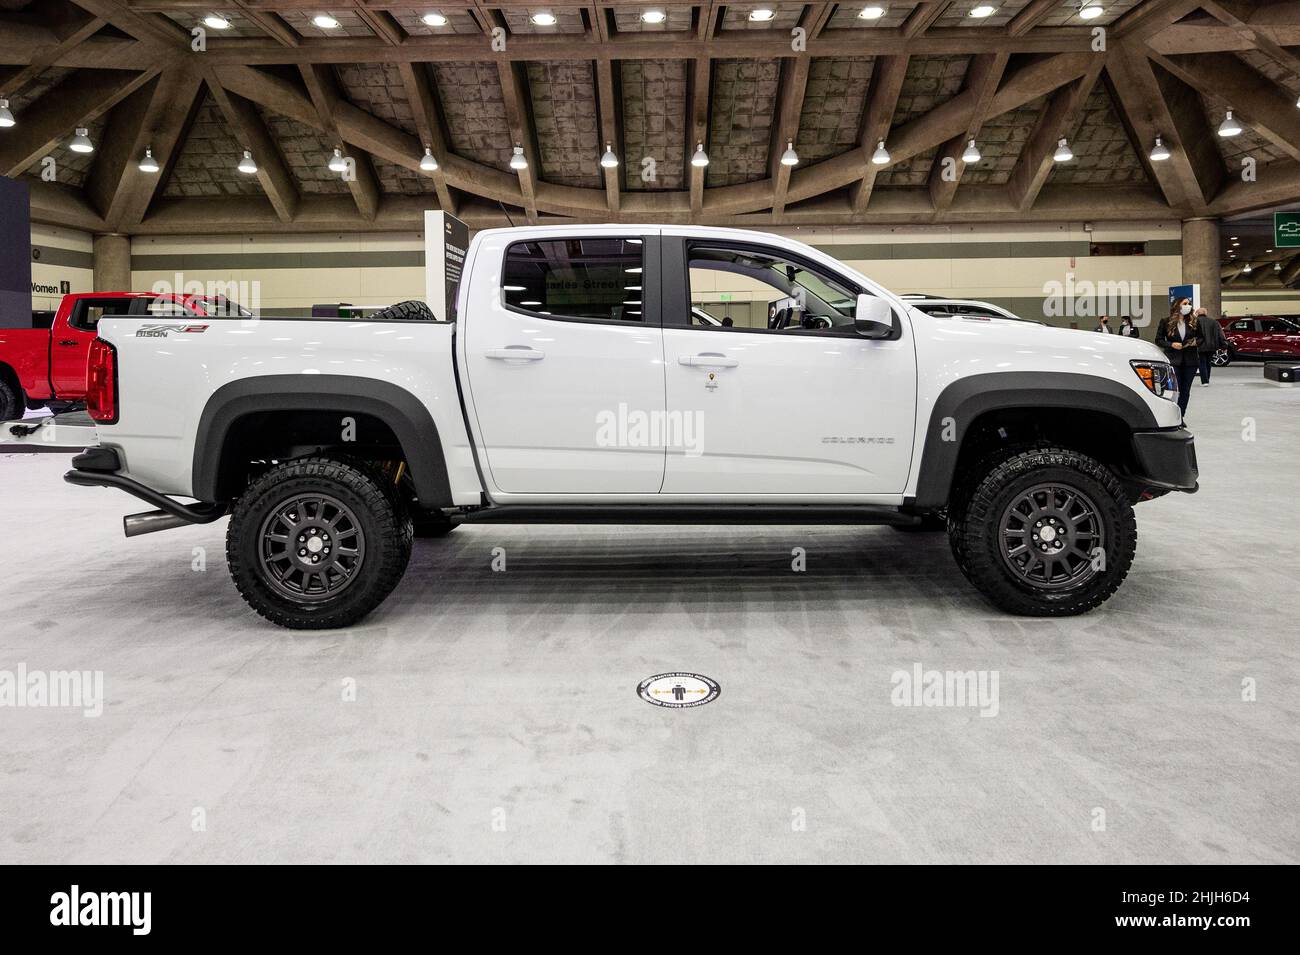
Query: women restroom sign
pixel 1286 230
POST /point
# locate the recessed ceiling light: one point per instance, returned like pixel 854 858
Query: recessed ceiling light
pixel 654 16
pixel 434 20
pixel 216 22
pixel 80 142
pixel 983 10
pixel 871 13
pixel 543 19
pixel 1090 11
pixel 325 21
pixel 761 15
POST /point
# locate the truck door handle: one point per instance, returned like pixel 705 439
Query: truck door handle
pixel 708 360
pixel 68 342
pixel 516 353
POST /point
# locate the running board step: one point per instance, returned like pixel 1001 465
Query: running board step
pixel 686 514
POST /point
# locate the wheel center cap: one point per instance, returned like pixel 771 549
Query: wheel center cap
pixel 315 545
pixel 1048 533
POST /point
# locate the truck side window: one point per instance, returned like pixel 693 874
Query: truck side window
pixel 87 312
pixel 596 279
pixel 764 289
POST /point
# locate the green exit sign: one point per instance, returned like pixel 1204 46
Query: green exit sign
pixel 725 296
pixel 1286 230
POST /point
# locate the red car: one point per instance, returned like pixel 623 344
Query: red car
pixel 45 365
pixel 1260 337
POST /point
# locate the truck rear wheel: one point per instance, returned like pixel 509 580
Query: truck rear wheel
pixel 11 402
pixel 318 542
pixel 1045 532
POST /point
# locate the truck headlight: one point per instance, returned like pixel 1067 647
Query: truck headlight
pixel 1159 378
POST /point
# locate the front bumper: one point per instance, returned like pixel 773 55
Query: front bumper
pixel 1166 461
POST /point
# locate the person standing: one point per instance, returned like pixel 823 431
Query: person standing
pixel 1212 339
pixel 1104 326
pixel 1179 338
pixel 1127 328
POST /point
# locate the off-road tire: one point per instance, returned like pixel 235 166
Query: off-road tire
pixel 381 517
pixel 11 402
pixel 411 311
pixel 977 537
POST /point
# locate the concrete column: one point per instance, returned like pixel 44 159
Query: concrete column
pixel 1202 260
pixel 112 263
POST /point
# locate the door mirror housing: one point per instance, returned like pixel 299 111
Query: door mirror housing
pixel 873 317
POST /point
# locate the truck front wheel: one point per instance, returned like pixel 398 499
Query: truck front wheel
pixel 318 542
pixel 1047 532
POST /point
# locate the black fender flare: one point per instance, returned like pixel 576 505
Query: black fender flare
pixel 963 401
pixel 404 413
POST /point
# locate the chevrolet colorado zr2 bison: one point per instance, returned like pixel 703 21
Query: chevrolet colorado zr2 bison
pixel 562 391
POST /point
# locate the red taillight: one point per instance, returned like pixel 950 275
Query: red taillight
pixel 101 382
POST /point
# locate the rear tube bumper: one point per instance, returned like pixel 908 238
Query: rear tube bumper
pixel 97 467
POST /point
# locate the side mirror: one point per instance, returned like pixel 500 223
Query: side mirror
pixel 873 318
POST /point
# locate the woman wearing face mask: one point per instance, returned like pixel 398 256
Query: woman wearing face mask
pixel 1179 336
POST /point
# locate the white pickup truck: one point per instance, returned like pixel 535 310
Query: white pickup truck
pixel 576 383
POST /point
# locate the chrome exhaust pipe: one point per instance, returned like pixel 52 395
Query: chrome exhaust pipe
pixel 150 522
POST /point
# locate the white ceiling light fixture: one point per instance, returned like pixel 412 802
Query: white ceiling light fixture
pixel 983 10
pixel 653 16
pixel 1277 266
pixel 147 162
pixel 1229 127
pixel 6 117
pixel 1090 10
pixel 789 157
pixel 881 156
pixel 517 161
pixel 427 162
pixel 1062 153
pixel 325 21
pixel 872 12
pixel 246 164
pixel 761 15
pixel 337 162
pixel 1247 268
pixel 1159 152
pixel 434 20
pixel 543 19
pixel 700 159
pixel 80 142
pixel 216 21
pixel 971 153
pixel 609 160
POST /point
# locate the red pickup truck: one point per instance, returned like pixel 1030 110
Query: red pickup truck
pixel 45 365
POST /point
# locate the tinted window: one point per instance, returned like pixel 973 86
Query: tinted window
pixel 575 278
pixel 1242 326
pixel 86 313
